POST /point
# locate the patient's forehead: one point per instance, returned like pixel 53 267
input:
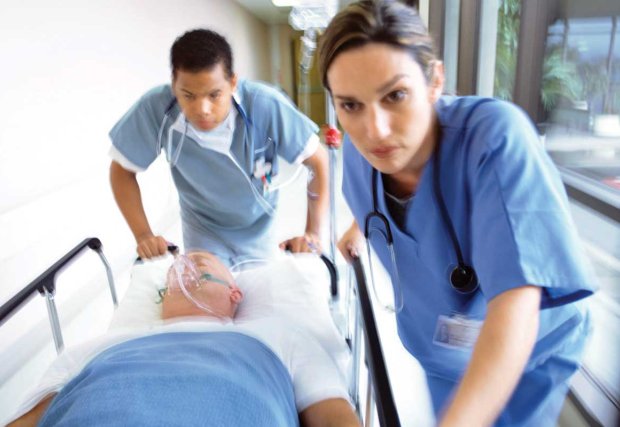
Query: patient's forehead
pixel 206 261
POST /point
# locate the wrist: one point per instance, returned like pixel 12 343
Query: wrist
pixel 313 232
pixel 143 236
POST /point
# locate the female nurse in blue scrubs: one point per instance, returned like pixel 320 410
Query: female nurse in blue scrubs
pixel 485 260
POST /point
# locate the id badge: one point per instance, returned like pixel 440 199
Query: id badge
pixel 456 332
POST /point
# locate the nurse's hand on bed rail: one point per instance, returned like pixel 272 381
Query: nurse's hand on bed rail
pixel 351 243
pixel 172 248
pixel 309 242
pixel 151 246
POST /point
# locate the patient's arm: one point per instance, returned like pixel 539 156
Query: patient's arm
pixel 32 417
pixel 329 413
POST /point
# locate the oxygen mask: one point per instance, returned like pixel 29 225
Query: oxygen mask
pixel 205 282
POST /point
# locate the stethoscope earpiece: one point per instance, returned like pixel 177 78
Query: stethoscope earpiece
pixel 463 279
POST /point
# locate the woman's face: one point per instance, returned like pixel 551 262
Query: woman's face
pixel 384 103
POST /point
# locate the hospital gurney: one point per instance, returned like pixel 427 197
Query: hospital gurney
pixel 361 312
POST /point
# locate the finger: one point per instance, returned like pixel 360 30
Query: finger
pixel 146 250
pixel 299 245
pixel 353 250
pixel 141 254
pixel 162 246
pixel 304 245
pixel 287 246
pixel 344 250
pixel 293 246
pixel 152 247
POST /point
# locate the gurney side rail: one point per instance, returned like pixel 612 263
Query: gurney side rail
pixel 386 408
pixel 333 275
pixel 45 284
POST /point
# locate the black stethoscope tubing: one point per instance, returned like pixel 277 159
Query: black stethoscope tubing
pixel 463 277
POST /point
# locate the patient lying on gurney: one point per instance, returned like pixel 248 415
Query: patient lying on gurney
pixel 196 368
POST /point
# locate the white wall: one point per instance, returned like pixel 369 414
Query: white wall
pixel 69 70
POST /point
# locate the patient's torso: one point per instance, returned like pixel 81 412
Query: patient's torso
pixel 210 378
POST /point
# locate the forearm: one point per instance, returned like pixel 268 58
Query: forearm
pixel 129 200
pixel 318 191
pixel 500 354
pixel 32 417
pixel 329 413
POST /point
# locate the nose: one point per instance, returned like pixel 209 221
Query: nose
pixel 204 107
pixel 377 123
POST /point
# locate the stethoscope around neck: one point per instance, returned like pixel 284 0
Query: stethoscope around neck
pixel 462 277
pixel 173 156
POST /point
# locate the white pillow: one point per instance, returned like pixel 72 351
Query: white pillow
pixel 139 307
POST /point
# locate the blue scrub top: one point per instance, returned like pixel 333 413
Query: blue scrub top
pixel 218 208
pixel 511 215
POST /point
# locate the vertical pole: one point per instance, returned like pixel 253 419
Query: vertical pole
pixel 108 271
pixel 356 350
pixel 54 321
pixel 332 140
pixel 370 404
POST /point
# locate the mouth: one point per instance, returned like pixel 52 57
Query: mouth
pixel 205 124
pixel 383 152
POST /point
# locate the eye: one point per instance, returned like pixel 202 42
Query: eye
pixel 396 96
pixel 215 95
pixel 188 96
pixel 350 106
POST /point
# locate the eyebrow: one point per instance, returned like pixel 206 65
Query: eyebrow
pixel 211 92
pixel 384 87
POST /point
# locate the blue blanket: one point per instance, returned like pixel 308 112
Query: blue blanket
pixel 179 379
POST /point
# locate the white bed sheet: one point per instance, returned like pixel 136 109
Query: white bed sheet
pixel 292 291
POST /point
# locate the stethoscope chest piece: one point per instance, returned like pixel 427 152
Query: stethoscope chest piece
pixel 464 279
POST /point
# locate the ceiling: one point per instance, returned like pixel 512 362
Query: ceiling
pixel 266 11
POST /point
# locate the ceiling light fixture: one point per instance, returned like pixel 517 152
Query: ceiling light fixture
pixel 285 3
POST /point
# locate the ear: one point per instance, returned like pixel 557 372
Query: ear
pixel 236 295
pixel 438 78
pixel 233 82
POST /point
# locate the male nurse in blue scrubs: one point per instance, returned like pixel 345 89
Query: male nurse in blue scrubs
pixel 224 139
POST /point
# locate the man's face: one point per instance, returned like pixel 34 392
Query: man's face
pixel 210 285
pixel 205 97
